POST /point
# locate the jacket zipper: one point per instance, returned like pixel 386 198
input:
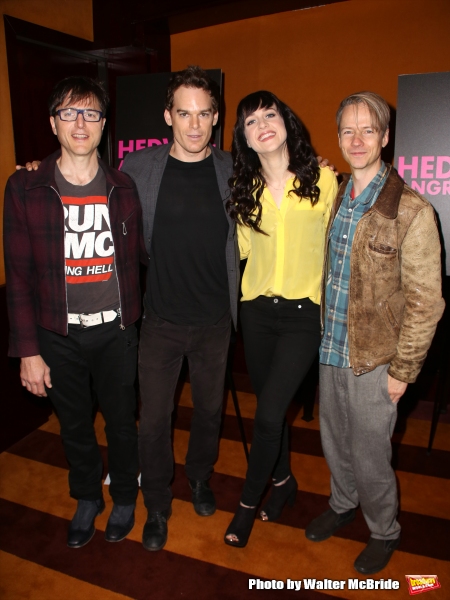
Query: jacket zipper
pixel 65 280
pixel 122 326
pixel 355 237
pixel 124 229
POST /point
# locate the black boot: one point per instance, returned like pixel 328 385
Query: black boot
pixel 120 523
pixel 241 526
pixel 279 496
pixel 81 528
pixel 154 536
pixel 202 498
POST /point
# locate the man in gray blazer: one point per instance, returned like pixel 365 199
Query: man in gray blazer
pixel 191 293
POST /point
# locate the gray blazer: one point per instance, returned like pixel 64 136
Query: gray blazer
pixel 146 168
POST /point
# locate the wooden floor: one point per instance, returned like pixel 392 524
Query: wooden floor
pixel 35 510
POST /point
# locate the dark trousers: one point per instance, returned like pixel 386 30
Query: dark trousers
pixel 281 340
pixel 162 348
pixel 102 357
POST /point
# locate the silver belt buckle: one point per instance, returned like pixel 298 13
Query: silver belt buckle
pixel 82 323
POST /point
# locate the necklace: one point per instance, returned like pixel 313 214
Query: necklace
pixel 275 188
pixel 279 189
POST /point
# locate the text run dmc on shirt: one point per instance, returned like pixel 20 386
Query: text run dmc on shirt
pixel 89 248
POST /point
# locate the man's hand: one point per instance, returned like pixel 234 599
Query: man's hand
pixel 34 373
pixel 30 166
pixel 396 388
pixel 323 162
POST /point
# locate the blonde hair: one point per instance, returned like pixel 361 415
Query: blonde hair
pixel 378 109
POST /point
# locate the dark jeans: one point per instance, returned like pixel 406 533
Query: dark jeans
pixel 105 357
pixel 162 348
pixel 281 339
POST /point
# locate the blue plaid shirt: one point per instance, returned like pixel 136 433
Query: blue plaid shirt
pixel 334 348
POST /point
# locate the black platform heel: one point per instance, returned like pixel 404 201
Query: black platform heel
pixel 241 526
pixel 279 496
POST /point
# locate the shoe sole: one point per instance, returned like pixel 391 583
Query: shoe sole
pixel 328 535
pixel 155 549
pixel 205 513
pixel 372 571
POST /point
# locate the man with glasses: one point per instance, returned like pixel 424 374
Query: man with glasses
pixel 72 243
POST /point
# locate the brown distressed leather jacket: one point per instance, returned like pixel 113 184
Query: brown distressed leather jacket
pixel 395 294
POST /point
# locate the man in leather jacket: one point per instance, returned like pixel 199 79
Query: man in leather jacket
pixel 381 304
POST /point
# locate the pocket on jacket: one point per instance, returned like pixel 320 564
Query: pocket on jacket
pixel 392 311
pixel 390 318
pixel 383 249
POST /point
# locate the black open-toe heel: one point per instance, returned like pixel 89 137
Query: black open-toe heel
pixel 279 496
pixel 241 526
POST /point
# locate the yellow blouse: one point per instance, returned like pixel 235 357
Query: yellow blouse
pixel 288 261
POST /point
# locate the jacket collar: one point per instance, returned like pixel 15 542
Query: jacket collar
pixel 45 175
pixel 389 197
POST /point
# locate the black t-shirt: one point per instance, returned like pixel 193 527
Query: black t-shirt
pixel 89 251
pixel 187 280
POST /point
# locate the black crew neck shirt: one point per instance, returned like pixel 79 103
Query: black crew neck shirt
pixel 187 282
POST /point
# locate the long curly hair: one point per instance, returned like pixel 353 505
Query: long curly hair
pixel 247 184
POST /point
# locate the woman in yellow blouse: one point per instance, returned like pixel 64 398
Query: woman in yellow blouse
pixel 281 200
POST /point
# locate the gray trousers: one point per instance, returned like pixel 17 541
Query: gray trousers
pixel 357 420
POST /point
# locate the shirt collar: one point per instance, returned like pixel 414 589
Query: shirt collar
pixel 367 194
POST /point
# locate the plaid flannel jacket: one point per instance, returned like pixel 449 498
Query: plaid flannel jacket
pixel 34 252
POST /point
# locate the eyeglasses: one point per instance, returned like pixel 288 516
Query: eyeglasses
pixel 71 114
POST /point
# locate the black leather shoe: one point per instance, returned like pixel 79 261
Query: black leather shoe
pixel 120 523
pixel 202 498
pixel 154 536
pixel 327 524
pixel 375 555
pixel 81 528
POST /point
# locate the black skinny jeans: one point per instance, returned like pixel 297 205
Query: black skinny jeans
pixel 103 357
pixel 281 339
